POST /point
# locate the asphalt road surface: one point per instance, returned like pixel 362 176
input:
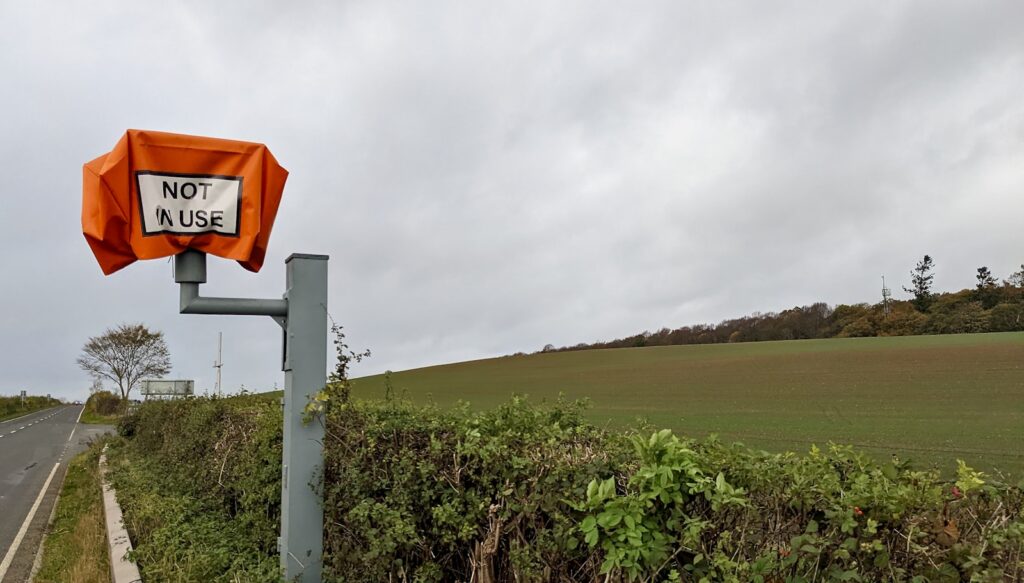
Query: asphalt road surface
pixel 34 451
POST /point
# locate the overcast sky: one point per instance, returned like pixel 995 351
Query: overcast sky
pixel 491 177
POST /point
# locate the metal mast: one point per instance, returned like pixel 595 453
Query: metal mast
pixel 886 298
pixel 219 363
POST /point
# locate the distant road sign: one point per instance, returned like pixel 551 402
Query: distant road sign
pixel 167 388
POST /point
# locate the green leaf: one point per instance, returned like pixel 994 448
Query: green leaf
pixel 609 518
pixel 606 489
pixel 889 471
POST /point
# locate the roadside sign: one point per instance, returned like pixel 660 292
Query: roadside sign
pixel 157 194
pixel 189 204
pixel 167 388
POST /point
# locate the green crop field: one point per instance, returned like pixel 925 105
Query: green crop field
pixel 931 399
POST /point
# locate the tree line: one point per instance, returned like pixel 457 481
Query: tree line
pixel 991 306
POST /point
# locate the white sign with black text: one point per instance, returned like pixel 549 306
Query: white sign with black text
pixel 189 204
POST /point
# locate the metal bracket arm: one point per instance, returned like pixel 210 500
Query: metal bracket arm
pixel 190 271
pixel 193 303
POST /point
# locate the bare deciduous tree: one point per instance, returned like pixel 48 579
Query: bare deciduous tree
pixel 1016 278
pixel 125 355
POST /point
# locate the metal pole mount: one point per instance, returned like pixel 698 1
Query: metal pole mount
pixel 303 315
pixel 190 271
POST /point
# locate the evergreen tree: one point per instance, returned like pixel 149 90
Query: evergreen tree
pixel 921 278
pixel 987 293
pixel 985 278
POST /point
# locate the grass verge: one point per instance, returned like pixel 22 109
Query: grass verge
pixel 75 548
pixel 90 418
pixel 22 413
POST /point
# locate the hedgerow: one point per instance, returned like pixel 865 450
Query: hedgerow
pixel 15 406
pixel 531 492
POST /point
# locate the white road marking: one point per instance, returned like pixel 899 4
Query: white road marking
pixel 27 414
pixel 73 430
pixel 6 564
pixel 22 417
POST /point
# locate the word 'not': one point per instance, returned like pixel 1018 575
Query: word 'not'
pixel 172 189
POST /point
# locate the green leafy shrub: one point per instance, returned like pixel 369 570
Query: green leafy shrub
pixel 200 482
pixel 1007 318
pixel 103 403
pixel 534 493
pixel 432 495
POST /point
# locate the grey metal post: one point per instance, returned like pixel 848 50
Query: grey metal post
pixel 305 374
pixel 303 315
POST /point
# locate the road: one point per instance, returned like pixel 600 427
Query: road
pixel 34 450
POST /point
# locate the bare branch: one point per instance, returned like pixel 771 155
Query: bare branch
pixel 125 355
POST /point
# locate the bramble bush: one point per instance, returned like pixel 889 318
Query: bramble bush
pixel 103 403
pixel 535 493
pixel 199 482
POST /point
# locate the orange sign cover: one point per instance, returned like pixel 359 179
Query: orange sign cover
pixel 156 194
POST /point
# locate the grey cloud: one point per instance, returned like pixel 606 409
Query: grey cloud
pixel 492 177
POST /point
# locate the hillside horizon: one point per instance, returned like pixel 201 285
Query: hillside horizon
pixel 990 306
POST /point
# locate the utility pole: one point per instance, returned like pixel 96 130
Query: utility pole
pixel 886 299
pixel 219 363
